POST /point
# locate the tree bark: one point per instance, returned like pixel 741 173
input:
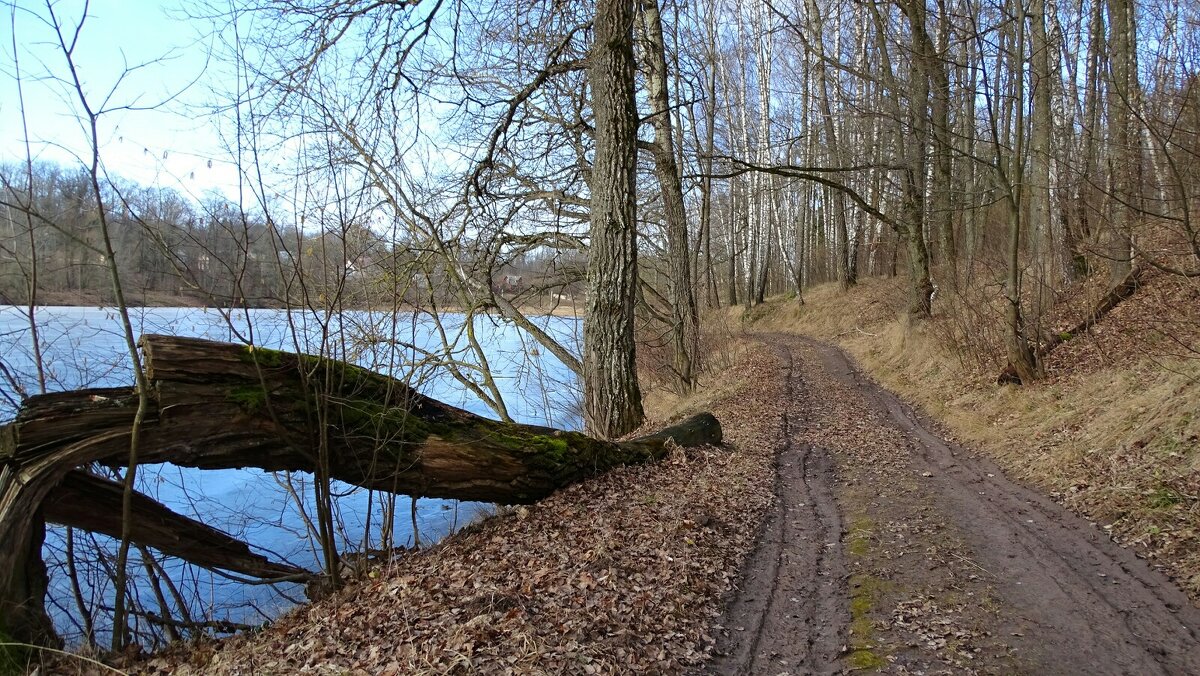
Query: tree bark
pixel 1126 148
pixel 917 144
pixel 1107 303
pixel 942 191
pixel 612 399
pixel 706 184
pixel 685 322
pixel 834 147
pixel 217 406
pixel 93 503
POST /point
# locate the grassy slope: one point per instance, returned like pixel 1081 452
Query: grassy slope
pixel 1112 433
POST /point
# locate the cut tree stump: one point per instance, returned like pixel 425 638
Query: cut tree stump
pixel 217 405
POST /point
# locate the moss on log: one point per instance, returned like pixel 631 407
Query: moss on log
pixel 218 405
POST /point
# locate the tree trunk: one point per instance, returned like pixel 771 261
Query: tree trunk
pixel 706 184
pixel 1021 359
pixel 217 406
pixel 93 503
pixel 1089 197
pixel 1126 150
pixel 685 329
pixel 1106 304
pixel 916 170
pixel 1041 129
pixel 846 276
pixel 942 190
pixel 23 585
pixel 612 399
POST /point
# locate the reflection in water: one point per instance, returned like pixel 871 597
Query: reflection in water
pixel 83 347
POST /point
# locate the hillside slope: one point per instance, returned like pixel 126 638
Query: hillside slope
pixel 623 573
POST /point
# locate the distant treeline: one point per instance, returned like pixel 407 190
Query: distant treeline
pixel 173 250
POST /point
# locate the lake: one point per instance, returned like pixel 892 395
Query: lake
pixel 84 347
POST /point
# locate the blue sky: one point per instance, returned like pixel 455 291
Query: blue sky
pixel 176 145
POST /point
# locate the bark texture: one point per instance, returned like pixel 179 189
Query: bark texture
pixel 914 175
pixel 612 398
pixel 1122 95
pixel 685 323
pixel 1107 303
pixel 93 503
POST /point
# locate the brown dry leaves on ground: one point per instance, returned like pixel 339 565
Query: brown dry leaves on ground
pixel 621 574
pixel 918 602
pixel 1161 320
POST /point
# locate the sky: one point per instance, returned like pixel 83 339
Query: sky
pixel 165 137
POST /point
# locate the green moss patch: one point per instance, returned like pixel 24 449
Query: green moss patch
pixel 865 591
pixel 251 398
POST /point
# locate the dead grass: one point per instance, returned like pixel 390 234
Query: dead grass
pixel 722 344
pixel 1112 433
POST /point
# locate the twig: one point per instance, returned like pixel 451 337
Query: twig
pixel 8 644
pixel 965 559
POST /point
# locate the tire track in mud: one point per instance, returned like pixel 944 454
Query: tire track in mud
pixel 1086 605
pixel 791 610
pixel 949 566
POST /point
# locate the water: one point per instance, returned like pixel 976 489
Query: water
pixel 84 347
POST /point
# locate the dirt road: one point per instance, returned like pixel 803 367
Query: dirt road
pixel 890 548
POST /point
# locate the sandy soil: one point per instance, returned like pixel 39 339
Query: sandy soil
pixel 889 548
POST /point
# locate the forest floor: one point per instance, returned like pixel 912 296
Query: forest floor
pixel 624 573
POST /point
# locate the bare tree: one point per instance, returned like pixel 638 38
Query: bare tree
pixel 684 318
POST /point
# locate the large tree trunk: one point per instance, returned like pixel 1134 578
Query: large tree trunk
pixel 217 406
pixel 612 403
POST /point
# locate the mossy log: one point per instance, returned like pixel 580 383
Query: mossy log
pixel 217 405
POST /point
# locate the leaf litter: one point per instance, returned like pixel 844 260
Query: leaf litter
pixel 621 574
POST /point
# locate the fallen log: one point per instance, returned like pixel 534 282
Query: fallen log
pixel 93 503
pixel 1107 303
pixel 217 405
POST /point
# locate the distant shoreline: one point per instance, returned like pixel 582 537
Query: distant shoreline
pixel 157 300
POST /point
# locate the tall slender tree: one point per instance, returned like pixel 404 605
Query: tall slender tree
pixel 1124 138
pixel 685 330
